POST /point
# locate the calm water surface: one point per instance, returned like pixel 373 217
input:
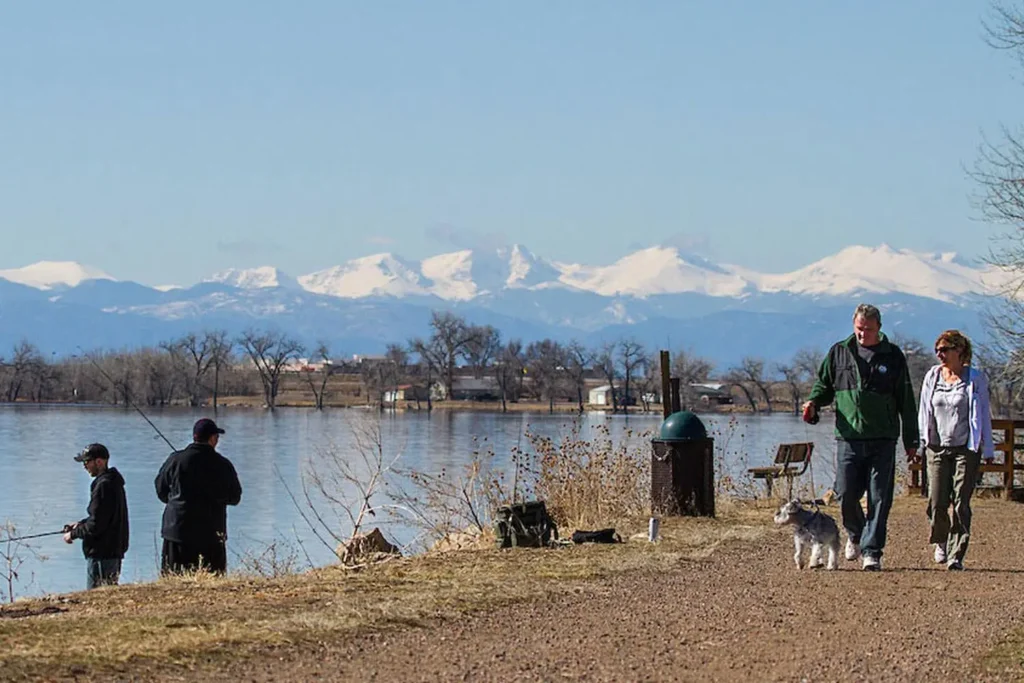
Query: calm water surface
pixel 43 488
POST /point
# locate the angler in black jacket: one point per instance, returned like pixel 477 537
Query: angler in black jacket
pixel 197 484
pixel 104 532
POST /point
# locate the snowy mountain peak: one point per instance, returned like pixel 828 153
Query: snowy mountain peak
pixel 374 275
pixel 880 270
pixel 254 278
pixel 655 270
pixel 53 274
pixel 462 275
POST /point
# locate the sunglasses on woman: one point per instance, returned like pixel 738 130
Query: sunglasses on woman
pixel 944 349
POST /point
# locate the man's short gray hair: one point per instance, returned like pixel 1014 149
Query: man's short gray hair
pixel 868 312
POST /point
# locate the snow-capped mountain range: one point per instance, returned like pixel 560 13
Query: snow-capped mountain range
pixel 465 275
pixel 660 292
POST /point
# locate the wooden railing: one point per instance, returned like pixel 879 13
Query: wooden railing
pixel 1004 433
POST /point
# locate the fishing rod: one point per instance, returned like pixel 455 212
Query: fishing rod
pixel 25 538
pixel 128 398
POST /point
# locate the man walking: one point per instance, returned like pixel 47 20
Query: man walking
pixel 197 484
pixel 104 533
pixel 868 378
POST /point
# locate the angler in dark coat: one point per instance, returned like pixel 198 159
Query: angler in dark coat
pixel 104 533
pixel 197 484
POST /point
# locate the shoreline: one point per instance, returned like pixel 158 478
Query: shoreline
pixel 533 407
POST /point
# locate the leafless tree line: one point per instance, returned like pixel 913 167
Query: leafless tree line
pixel 191 370
pixel 197 369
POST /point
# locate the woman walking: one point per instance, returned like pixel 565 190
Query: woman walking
pixel 956 425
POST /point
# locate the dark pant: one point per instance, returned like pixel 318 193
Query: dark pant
pixel 182 557
pixel 101 572
pixel 866 466
pixel 952 473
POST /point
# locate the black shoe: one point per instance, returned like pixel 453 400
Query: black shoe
pixel 955 566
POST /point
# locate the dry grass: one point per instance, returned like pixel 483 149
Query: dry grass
pixel 184 621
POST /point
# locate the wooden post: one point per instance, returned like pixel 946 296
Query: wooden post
pixel 1010 438
pixel 666 384
pixel 677 401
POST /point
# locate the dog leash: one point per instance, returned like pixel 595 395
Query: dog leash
pixel 810 468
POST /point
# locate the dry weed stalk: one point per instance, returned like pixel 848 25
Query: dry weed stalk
pixel 339 491
pixel 12 556
pixel 590 483
pixel 447 503
pixel 277 558
pixel 727 454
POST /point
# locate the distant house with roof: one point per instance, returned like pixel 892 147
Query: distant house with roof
pixel 712 393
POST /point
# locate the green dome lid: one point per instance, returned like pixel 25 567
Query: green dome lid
pixel 682 426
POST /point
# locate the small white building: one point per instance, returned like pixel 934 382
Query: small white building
pixel 405 392
pixel 600 396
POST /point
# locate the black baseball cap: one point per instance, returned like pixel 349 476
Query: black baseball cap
pixel 204 428
pixel 93 451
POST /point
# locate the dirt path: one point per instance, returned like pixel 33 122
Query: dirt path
pixel 744 613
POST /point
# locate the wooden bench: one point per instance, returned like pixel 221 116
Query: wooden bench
pixel 1004 462
pixel 788 461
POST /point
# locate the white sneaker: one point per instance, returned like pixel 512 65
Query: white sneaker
pixel 871 564
pixel 940 554
pixel 852 550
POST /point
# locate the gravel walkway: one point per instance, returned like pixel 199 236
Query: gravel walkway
pixel 744 613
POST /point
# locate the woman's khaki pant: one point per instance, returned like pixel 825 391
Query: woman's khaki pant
pixel 952 474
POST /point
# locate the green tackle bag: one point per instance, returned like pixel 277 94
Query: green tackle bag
pixel 524 525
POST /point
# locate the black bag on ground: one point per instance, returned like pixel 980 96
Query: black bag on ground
pixel 524 525
pixel 600 536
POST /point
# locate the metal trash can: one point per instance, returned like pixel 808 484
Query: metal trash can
pixel 683 468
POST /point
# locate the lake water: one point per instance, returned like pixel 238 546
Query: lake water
pixel 43 488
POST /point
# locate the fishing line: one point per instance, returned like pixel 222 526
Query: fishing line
pixel 127 397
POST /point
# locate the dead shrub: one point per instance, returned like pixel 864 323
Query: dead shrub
pixel 589 483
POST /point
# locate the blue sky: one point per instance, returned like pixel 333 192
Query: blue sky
pixel 164 141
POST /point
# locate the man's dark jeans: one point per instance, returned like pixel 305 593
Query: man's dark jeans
pixel 866 466
pixel 101 572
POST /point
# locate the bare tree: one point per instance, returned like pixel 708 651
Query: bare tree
pixel 605 362
pixel 323 355
pixel 24 363
pixel 690 369
pixel 919 359
pixel 482 348
pixel 398 358
pixel 450 336
pixel 508 369
pixel 632 357
pixel 793 378
pixel 999 174
pixel 199 352
pixel 1002 394
pixel 577 360
pixel 750 371
pixel 269 352
pixel 220 347
pixel 545 365
pixel 431 357
pixel 163 373
pixel 340 490
pixel 809 361
pixel 649 383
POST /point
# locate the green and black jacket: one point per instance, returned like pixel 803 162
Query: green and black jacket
pixel 871 398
